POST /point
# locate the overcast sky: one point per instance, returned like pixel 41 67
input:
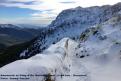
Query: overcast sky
pixel 41 11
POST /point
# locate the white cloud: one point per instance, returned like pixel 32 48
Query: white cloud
pixel 20 0
pixel 55 6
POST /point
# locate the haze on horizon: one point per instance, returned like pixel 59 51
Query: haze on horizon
pixel 41 11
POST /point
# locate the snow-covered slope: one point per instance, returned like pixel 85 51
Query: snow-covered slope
pixel 71 22
pixel 100 50
pixel 57 60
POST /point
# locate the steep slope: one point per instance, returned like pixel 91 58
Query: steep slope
pixel 100 50
pixel 71 22
pixel 102 36
pixel 88 16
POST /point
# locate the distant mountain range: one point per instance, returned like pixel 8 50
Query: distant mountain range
pixel 12 34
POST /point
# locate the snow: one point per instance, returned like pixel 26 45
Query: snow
pixel 103 62
pixel 56 57
pixel 97 58
pixel 59 59
pixel 72 22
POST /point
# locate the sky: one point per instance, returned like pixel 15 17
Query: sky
pixel 41 12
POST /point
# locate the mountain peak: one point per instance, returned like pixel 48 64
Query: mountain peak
pixel 86 15
pixel 72 22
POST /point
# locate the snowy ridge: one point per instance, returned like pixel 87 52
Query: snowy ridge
pixel 61 62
